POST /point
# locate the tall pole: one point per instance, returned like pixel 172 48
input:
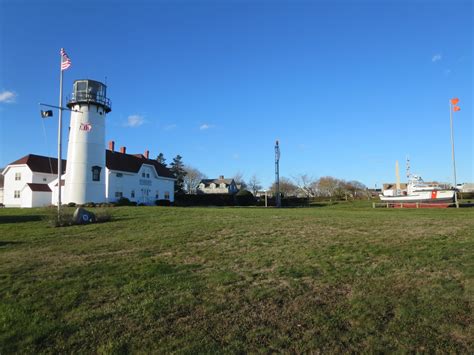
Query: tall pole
pixel 452 154
pixel 60 127
pixel 277 174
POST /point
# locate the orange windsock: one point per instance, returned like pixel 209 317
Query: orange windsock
pixel 454 101
pixel 456 108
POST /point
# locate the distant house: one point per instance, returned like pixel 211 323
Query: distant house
pixel 217 186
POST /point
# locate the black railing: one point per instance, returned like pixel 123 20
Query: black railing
pixel 90 97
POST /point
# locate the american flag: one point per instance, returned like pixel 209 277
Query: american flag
pixel 65 61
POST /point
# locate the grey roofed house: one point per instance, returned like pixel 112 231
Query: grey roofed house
pixel 217 186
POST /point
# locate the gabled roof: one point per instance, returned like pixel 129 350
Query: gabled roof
pixel 39 187
pixel 133 162
pixel 217 181
pixel 114 161
pixel 41 164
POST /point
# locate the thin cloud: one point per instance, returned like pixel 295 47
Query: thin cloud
pixel 205 126
pixel 134 121
pixel 436 58
pixel 7 96
pixel 236 156
pixel 170 127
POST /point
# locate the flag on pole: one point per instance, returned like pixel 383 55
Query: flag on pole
pixel 45 114
pixel 454 101
pixel 65 61
pixel 456 108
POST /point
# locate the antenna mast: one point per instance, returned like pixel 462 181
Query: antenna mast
pixel 277 174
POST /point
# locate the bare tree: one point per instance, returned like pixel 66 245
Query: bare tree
pixel 254 184
pixel 239 180
pixel 287 187
pixel 328 186
pixel 192 179
pixel 306 184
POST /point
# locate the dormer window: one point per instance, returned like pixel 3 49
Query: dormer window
pixel 96 173
pixel 17 176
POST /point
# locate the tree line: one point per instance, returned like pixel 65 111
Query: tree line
pixel 303 185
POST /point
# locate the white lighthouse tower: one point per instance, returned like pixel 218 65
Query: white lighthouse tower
pixel 85 168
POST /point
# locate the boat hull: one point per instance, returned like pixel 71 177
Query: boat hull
pixel 434 199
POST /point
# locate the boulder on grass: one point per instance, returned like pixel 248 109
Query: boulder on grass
pixel 82 216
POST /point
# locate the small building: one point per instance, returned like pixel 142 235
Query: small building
pixel 27 181
pixel 217 186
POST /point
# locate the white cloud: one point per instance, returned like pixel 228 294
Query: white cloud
pixel 205 126
pixel 134 121
pixel 7 96
pixel 236 156
pixel 436 58
pixel 170 127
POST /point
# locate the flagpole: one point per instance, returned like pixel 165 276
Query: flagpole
pixel 452 154
pixel 60 127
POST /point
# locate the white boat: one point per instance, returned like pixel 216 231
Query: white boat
pixel 418 192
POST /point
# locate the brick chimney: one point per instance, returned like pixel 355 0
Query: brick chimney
pixel 221 177
pixel 147 154
pixel 112 146
pixel 123 150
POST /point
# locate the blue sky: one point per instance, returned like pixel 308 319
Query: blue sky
pixel 348 87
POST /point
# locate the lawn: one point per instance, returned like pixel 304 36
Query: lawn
pixel 340 278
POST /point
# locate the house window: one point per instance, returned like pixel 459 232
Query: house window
pixel 44 179
pixel 118 194
pixel 143 174
pixel 16 194
pixel 147 176
pixel 167 195
pixel 96 173
pixel 132 194
pixel 17 176
pixel 157 196
pixel 119 174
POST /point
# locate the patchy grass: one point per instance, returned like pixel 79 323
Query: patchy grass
pixel 337 278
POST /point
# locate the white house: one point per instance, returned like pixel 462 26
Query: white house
pixel 26 181
pixel 31 181
pixel 217 186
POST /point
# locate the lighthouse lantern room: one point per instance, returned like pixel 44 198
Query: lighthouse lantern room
pixel 85 169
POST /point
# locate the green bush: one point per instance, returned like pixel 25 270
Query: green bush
pixel 71 204
pixel 244 198
pixel 163 202
pixel 123 201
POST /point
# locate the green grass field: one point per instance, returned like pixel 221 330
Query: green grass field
pixel 341 278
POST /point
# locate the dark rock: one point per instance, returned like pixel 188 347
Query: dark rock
pixel 82 216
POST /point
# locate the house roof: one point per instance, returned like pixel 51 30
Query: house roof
pixel 40 164
pixel 39 187
pixel 114 161
pixel 133 162
pixel 217 181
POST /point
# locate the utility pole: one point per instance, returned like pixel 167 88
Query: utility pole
pixel 277 175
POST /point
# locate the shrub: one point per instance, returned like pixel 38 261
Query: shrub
pixel 71 204
pixel 163 202
pixel 244 198
pixel 123 201
pixel 89 204
pixel 102 215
